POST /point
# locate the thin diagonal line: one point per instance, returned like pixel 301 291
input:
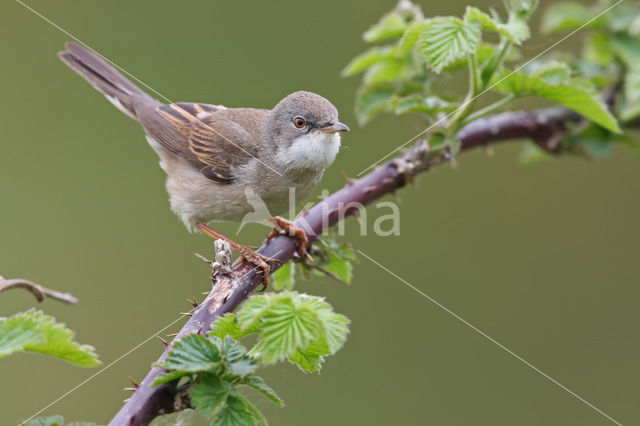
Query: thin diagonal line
pixel 493 85
pixel 143 83
pixel 94 375
pixel 500 345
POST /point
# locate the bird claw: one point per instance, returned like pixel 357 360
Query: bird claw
pixel 290 229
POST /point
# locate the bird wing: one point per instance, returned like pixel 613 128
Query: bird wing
pixel 206 136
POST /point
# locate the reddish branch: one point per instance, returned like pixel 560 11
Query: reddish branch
pixel 543 126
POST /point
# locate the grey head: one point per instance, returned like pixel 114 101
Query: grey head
pixel 299 114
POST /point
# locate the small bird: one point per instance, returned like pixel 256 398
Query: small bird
pixel 211 153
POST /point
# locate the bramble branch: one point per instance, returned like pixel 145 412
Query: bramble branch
pixel 232 287
pixel 37 290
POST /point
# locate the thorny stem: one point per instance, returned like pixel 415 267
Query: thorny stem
pixel 231 289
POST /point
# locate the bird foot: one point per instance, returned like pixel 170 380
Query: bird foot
pixel 257 259
pixel 287 227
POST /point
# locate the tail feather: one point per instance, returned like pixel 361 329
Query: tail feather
pixel 117 88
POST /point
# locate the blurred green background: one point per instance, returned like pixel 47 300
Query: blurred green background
pixel 544 258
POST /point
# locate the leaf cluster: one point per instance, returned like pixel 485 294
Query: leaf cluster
pixel 415 57
pixel 300 328
pixel 331 258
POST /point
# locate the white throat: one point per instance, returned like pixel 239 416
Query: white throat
pixel 315 150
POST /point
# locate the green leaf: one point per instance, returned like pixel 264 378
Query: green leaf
pixel 258 384
pixel 341 263
pixel 34 331
pixel 391 25
pixel 47 421
pixel 598 49
pixel 445 39
pixel 387 70
pixel 565 16
pixel 255 413
pixel 574 94
pixel 236 359
pixel 515 29
pixel 628 50
pixel 410 37
pixel 310 360
pixel 252 310
pixel 417 103
pixel 285 277
pixel 186 417
pixel 532 154
pixel 210 394
pixel 366 59
pixel 194 353
pixel 371 100
pixel 227 325
pixel 286 326
pixel 234 413
pixel 553 72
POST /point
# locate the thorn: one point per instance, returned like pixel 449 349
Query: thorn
pixel 124 401
pixel 172 335
pixel 200 329
pixel 347 180
pixel 186 314
pixel 133 382
pixel 489 150
pixel 163 341
pixel 201 257
pixel 193 301
pixel 205 292
pixel 356 215
pixel 129 389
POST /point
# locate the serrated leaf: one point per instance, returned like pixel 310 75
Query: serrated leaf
pixel 234 413
pixel 340 267
pixel 336 328
pixel 255 413
pixel 445 39
pixel 251 311
pixel 194 353
pixel 366 59
pixel 372 100
pixel 285 277
pixel 553 72
pixel 210 394
pixel 515 29
pixel 391 25
pixel 227 325
pixel 258 384
pixel 286 326
pixel 574 94
pixel 310 360
pixel 565 16
pixel 47 421
pixel 170 376
pixel 236 359
pixel 34 331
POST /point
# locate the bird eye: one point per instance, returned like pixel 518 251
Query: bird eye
pixel 299 122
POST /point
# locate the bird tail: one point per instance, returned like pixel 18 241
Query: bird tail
pixel 117 88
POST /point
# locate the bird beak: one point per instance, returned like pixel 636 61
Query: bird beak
pixel 334 126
